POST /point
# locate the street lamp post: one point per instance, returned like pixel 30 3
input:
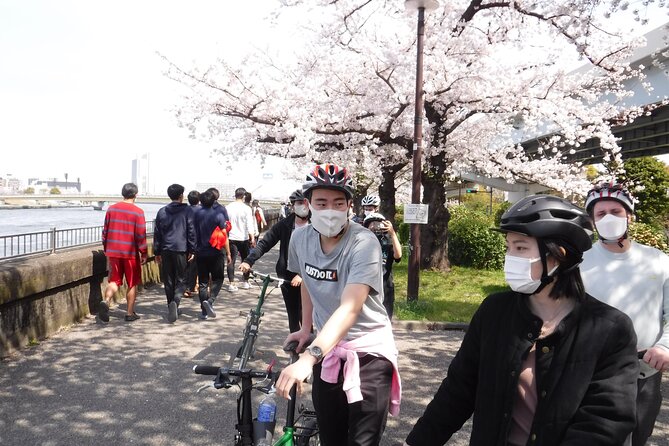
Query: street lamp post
pixel 414 243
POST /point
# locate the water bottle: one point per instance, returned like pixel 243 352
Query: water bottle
pixel 267 409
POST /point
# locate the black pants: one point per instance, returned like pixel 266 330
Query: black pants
pixel 241 247
pixel 292 298
pixel 357 424
pixel 173 273
pixel 389 295
pixel 191 275
pixel 213 266
pixel 648 402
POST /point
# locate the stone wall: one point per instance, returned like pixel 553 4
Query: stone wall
pixel 40 295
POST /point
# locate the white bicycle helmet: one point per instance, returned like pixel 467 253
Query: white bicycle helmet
pixel 609 191
pixel 371 200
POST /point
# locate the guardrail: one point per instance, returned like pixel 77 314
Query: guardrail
pixel 21 245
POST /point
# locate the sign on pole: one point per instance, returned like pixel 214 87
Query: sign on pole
pixel 415 213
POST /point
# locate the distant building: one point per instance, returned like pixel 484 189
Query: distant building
pixel 47 185
pixel 140 173
pixel 10 185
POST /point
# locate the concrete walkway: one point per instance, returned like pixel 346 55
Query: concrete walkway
pixel 131 383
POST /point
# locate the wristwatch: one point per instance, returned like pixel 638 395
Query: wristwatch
pixel 316 352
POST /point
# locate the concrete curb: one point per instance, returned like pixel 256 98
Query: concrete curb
pixel 430 326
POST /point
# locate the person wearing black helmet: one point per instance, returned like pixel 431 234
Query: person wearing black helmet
pixel 281 232
pixel 544 363
pixel 391 252
pixel 635 279
pixel 342 297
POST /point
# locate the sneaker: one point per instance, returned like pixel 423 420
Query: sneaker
pixel 232 288
pixel 103 311
pixel 244 285
pixel 209 308
pixel 131 317
pixel 202 317
pixel 172 314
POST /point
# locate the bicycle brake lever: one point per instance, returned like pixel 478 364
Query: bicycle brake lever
pixel 204 387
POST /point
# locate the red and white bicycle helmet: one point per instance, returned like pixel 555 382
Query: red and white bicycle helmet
pixel 609 191
pixel 371 200
pixel 328 176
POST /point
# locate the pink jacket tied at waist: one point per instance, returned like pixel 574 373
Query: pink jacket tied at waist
pixel 379 342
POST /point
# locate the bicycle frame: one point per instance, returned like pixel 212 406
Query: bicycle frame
pixel 245 352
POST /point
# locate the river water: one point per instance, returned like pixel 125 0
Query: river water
pixel 19 221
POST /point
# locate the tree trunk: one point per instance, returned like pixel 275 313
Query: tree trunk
pixel 387 191
pixel 434 235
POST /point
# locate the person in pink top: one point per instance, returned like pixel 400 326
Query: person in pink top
pixel 353 357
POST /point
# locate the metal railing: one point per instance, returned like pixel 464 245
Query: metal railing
pixel 21 245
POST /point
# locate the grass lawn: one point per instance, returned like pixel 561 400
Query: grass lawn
pixel 445 297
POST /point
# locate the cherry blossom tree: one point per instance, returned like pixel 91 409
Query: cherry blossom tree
pixel 496 73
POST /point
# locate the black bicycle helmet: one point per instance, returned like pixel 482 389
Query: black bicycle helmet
pixel 328 176
pixel 549 217
pixel 296 196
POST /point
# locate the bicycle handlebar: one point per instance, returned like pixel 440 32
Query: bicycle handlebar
pixel 262 276
pixel 213 370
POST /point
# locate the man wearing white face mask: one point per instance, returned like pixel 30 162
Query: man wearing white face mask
pixel 635 279
pixel 281 232
pixel 353 357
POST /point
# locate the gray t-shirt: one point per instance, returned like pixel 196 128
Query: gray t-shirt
pixel 355 259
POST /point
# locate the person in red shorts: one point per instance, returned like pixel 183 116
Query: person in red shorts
pixel 124 242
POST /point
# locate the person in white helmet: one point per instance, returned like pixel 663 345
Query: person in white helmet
pixel 635 279
pixel 391 252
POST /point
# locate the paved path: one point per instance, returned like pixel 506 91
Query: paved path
pixel 131 383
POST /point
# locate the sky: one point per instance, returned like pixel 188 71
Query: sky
pixel 82 90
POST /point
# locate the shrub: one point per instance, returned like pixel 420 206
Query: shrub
pixel 649 235
pixel 471 242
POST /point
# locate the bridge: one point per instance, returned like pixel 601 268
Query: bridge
pixel 98 201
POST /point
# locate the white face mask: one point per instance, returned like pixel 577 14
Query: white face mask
pixel 300 210
pixel 611 227
pixel 328 222
pixel 367 213
pixel 518 274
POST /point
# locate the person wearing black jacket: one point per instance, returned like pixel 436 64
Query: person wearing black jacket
pixel 281 232
pixel 174 245
pixel 544 364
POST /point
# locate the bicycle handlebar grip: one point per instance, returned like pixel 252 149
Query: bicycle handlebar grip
pixel 290 347
pixel 206 369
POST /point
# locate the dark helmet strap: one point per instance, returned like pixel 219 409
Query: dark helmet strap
pixel 545 278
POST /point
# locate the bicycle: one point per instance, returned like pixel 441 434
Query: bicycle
pixel 302 431
pixel 253 317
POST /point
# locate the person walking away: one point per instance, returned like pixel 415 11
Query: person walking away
pixel 241 236
pixel 391 252
pixel 210 227
pixel 340 264
pixel 191 267
pixel 635 279
pixel 545 363
pixel 281 233
pixel 174 245
pixel 259 215
pixel 124 243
